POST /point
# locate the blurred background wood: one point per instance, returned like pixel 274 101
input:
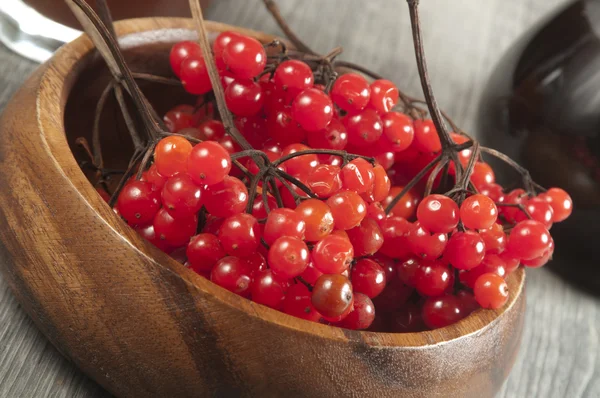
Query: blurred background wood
pixel 463 39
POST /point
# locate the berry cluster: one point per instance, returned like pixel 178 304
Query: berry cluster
pixel 318 223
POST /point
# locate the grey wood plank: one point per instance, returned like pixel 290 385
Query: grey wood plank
pixel 463 39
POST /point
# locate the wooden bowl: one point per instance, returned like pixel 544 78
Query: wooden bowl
pixel 141 324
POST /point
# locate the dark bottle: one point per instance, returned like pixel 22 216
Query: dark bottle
pixel 542 108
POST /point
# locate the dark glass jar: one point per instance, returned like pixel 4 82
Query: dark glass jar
pixel 542 108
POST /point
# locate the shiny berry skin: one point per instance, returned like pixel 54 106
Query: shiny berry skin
pixel 465 154
pixel 348 209
pixel 211 130
pixel 478 212
pixel 240 235
pixel 148 233
pixel 155 178
pixel 366 238
pixel 362 316
pixel 386 160
pixel 176 232
pixel 368 278
pixel 468 301
pixel 541 260
pixel 539 209
pixel 442 311
pixel 244 97
pixel 219 45
pixel 494 239
pixel 426 244
pixel 194 75
pixel 395 232
pixel 406 270
pixel 258 208
pixel 334 136
pixel 177 120
pixel 406 206
pixel 288 256
pixel 333 254
pixel 324 180
pixel 494 192
pixel 297 302
pixel 438 213
pixel 376 212
pixel 267 289
pixel 426 138
pixel 312 109
pixel 363 128
pixel 517 196
pixel 283 222
pixel 229 144
pixel 491 291
pixel 226 198
pixel 358 176
pixel 209 163
pixel 283 128
pixel 318 218
pixel 528 239
pixel 293 76
pixel 311 273
pixel 492 263
pixel 171 155
pixel 233 274
pixel 398 130
pixel 510 262
pixel 301 165
pixel 332 295
pixel 483 175
pixel 432 278
pixel 351 92
pixel 561 202
pixel 138 203
pixel 245 57
pixel 465 250
pixel 384 95
pixel 288 198
pixel 180 51
pixel 181 197
pixel 203 251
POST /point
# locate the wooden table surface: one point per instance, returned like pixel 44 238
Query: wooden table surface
pixel 560 352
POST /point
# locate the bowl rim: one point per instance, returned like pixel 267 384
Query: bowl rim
pixel 58 79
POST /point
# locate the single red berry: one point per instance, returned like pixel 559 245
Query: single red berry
pixel 209 163
pixel 148 233
pixel 491 264
pixel 384 95
pixel 376 212
pixel 292 77
pixel 211 130
pixel 176 232
pixel 318 218
pixel 244 97
pixel 386 160
pixel 483 175
pixel 510 262
pixel 219 45
pixel 478 212
pixel 528 239
pixel 324 180
pixel 194 75
pixel 398 130
pixel 406 206
pixel 363 128
pixel 245 57
pixel 229 144
pixel 226 198
pixel 301 165
pixel 203 251
pixel 181 197
pixel 425 244
pixel 541 260
pixel 442 311
pixel 426 138
pixel 465 154
pixel 539 209
pixel 178 120
pixel 358 176
pixel 268 289
pixel 348 209
pixel 283 222
pixel 362 314
pixel 259 211
pixel 366 238
pixel 561 202
pixel 256 261
pixel 395 232
pixel 311 273
pixel 180 51
pixel 438 213
pixel 138 203
pixel 155 178
pixel 288 256
pixel 517 196
pixel 351 92
pixel 333 254
pixel 432 278
pixel 368 278
pixel 312 109
pixel 494 239
pixel 283 128
pixel 171 155
pixel 465 250
pixel 491 291
pixel 298 303
pixel 334 136
pixel 406 270
pixel 494 192
pixel 240 235
pixel 332 295
pixel 233 274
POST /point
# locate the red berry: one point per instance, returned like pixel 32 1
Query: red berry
pixel 376 212
pixel 407 320
pixel 267 289
pixel 398 130
pixel 324 180
pixel 510 262
pixel 438 213
pixel 561 202
pixel 394 296
pixel 283 128
pixel 219 45
pixel 181 197
pixel 244 97
pixel 297 302
pixel 362 315
pixel 211 130
pixel 528 240
pixel 203 251
pixel 406 206
pixel 194 75
pixel 384 95
pixel 177 120
pixel 494 192
pixel 155 178
pixel 283 222
pixel 226 198
pixel 351 92
pixel 229 144
pixel 426 138
pixel 367 238
pixel 318 218
pixel 483 175
pixel 358 176
pixel 406 270
pixel 259 211
pixel 386 160
pixel 245 57
pixel 334 136
pixel 288 256
pixel 182 50
pixel 209 163
pixel 539 210
pixel 465 154
pixel 176 232
pixel 491 264
pixel 465 250
pixel 301 165
pixel 491 291
pixel 333 254
pixel 138 203
pixel 363 128
pixel 148 233
pixel 541 260
pixel 517 196
pixel 368 278
pixel 467 300
pixel 442 311
pixel 478 212
pixel 312 109
pixel 293 76
pixel 232 274
pixel 348 209
pixel 426 244
pixel 494 239
pixel 240 235
pixel 332 295
pixel 432 278
pixel 395 232
pixel 171 155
